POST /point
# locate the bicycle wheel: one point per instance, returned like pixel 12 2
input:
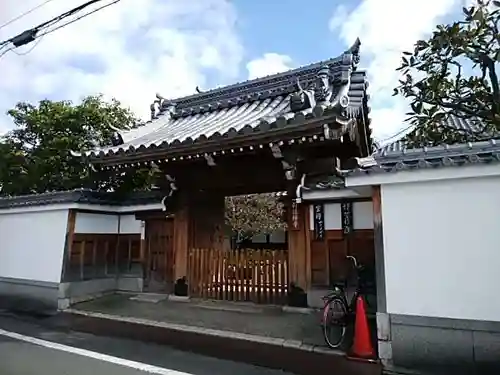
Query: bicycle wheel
pixel 334 322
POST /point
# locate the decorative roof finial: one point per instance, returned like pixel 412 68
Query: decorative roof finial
pixel 302 98
pixel 160 105
pixel 354 51
pixel 198 90
pixel 322 84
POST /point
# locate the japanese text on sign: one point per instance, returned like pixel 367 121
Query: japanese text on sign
pixel 319 221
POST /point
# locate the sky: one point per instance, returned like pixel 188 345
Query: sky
pixel 137 48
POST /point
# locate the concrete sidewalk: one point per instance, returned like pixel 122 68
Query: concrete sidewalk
pixel 244 318
pixel 287 355
pixel 260 335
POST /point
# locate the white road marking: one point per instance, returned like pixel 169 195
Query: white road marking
pixel 94 355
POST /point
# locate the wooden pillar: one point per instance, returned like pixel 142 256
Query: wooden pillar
pixel 181 241
pixel 207 221
pixel 68 243
pixel 307 244
pixel 378 237
pixel 299 245
pixel 142 249
pixel 199 223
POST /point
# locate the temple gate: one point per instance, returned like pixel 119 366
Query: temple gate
pixel 265 135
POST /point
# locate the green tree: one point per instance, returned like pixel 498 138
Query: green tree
pixel 249 215
pixel 454 72
pixel 35 156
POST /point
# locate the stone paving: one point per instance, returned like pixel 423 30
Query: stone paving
pixel 239 317
pixel 268 321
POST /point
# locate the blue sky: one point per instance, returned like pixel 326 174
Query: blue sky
pixel 139 47
pixel 293 28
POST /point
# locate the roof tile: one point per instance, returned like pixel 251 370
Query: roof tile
pixel 472 126
pixel 253 106
pixel 433 157
pixel 82 196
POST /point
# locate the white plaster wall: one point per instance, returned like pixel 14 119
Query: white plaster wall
pixel 96 223
pixel 259 238
pixel 278 236
pixel 362 213
pixel 441 247
pixel 32 245
pixel 129 225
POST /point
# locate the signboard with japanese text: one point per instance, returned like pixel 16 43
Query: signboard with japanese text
pixel 347 217
pixel 319 221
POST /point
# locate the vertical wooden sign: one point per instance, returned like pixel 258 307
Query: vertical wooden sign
pixel 295 216
pixel 319 221
pixel 143 230
pixel 142 248
pixel 347 217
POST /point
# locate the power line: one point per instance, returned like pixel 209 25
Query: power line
pixel 76 19
pixel 5 51
pixel 39 39
pixel 396 134
pixel 25 14
pixel 32 34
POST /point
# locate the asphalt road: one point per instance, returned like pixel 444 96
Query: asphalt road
pixel 19 358
pixel 27 348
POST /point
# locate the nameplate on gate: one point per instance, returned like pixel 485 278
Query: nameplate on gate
pixel 143 230
pixel 347 217
pixel 319 221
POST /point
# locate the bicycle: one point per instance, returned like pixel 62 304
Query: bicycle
pixel 338 312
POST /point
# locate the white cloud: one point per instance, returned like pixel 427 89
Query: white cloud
pixel 386 28
pixel 130 51
pixel 269 63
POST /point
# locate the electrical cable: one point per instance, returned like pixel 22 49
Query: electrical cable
pixel 25 14
pixel 31 35
pixel 381 142
pixel 76 19
pixel 4 52
pixel 38 40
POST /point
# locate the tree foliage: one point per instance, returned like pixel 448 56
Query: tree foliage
pixel 454 72
pixel 35 156
pixel 253 214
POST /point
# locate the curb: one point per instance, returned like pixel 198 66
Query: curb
pixel 299 310
pixel 296 344
pixel 288 355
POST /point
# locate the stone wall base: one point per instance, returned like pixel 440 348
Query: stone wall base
pixel 46 297
pixel 28 295
pixel 81 291
pixel 438 345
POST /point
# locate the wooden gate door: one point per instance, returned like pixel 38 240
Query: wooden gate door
pixel 159 272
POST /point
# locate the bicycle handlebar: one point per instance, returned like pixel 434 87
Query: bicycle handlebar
pixel 354 260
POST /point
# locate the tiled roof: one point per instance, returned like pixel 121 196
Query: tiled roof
pixel 273 102
pixel 81 196
pixel 396 156
pixel 423 158
pixel 466 126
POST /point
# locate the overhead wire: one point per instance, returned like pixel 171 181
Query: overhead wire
pixel 25 13
pixel 402 131
pixel 5 51
pixel 33 34
pixel 38 40
pixel 77 18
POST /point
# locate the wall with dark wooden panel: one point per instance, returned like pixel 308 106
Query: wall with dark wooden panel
pixel 328 255
pixel 104 245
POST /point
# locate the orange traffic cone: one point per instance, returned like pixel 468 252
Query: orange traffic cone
pixel 362 347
